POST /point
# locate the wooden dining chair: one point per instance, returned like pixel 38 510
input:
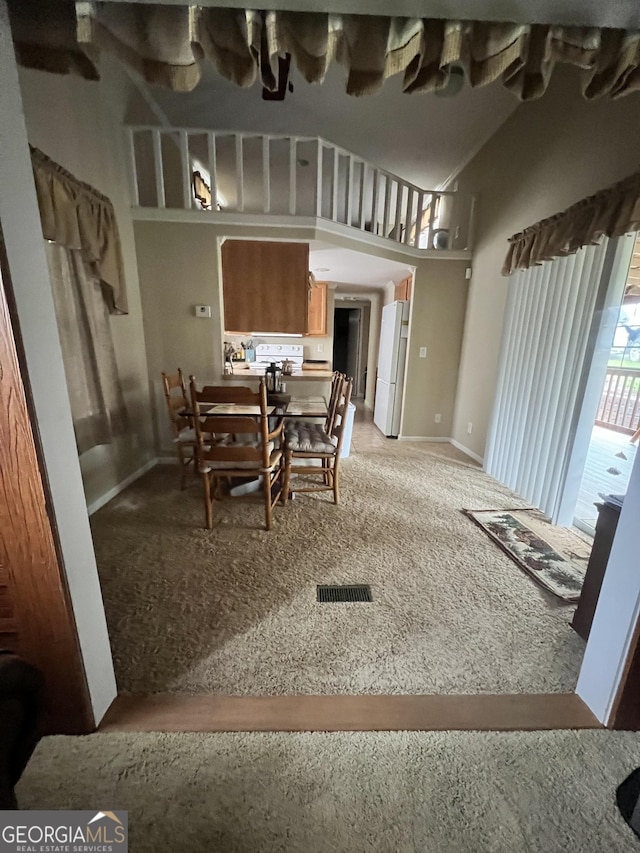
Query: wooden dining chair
pixel 230 394
pixel 336 387
pixel 184 436
pixel 245 446
pixel 224 393
pixel 308 442
pixel 337 382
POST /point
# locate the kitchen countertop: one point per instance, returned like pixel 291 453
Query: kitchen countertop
pixel 248 373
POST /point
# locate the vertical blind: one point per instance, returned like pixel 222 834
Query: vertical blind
pixel 547 338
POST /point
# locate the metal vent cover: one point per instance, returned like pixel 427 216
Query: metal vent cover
pixel 337 594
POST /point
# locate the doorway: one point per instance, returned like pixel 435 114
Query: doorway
pixel 614 433
pixel 351 342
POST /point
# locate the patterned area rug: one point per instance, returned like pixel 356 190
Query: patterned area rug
pixel 531 552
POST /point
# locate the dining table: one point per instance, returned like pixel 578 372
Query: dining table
pixel 297 407
pixel 305 407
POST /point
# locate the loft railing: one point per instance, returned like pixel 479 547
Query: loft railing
pixel 232 172
pixel 619 407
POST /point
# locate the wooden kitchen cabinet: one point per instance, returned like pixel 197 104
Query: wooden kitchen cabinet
pixel 317 310
pixel 265 286
pixel 403 289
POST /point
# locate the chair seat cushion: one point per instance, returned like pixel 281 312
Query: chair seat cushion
pixel 309 438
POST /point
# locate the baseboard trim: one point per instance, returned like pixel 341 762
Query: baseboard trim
pixel 478 459
pixel 104 499
pixel 164 712
pixel 438 439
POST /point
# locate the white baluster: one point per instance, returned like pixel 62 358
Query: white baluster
pixel 293 146
pixel 408 216
pixel 397 231
pixel 419 212
pixel 239 173
pixel 266 175
pixel 387 204
pixel 334 195
pixel 319 186
pixel 213 169
pixel 363 178
pixel 135 194
pixel 432 216
pixel 158 168
pixel 350 190
pixel 187 177
pixel 374 201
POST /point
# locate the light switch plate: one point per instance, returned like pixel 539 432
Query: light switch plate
pixel 203 310
pixel 423 352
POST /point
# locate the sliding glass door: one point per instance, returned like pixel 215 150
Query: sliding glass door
pixel 551 375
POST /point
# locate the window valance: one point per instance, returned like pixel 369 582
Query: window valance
pixel 611 212
pixel 167 44
pixel 77 216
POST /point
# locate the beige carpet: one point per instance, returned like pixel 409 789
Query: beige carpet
pixel 426 792
pixel 233 610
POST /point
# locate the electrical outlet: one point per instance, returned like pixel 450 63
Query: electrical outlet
pixel 320 347
pixel 438 418
pixel 469 428
pixel 203 310
pixel 423 352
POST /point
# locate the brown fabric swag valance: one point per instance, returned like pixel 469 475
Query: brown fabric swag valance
pixel 611 213
pixel 167 44
pixel 77 216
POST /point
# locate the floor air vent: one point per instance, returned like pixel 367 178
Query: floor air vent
pixel 335 594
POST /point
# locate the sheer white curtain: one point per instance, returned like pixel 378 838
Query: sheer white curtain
pixel 551 324
pixel 95 392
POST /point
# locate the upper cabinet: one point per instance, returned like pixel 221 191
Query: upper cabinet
pixel 317 309
pixel 403 289
pixel 265 286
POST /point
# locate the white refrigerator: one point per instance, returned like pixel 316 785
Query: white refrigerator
pixel 392 358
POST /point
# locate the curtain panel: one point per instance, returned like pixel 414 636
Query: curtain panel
pixel 77 216
pixel 167 45
pixel 611 213
pixel 96 397
pixel 551 320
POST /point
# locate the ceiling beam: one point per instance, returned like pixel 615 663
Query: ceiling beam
pixel 624 14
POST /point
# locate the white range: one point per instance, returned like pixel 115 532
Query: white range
pixel 268 353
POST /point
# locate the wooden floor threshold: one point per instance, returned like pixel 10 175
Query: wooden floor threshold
pixel 165 712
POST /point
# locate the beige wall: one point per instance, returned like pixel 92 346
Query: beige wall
pixel 437 320
pixel 78 124
pixel 549 154
pixel 179 268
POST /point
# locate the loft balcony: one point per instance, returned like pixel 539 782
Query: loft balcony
pixel 187 174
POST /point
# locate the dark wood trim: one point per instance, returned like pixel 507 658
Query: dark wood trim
pixel 29 552
pixel 483 712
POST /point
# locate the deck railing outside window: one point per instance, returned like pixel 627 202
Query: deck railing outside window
pixel 619 407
